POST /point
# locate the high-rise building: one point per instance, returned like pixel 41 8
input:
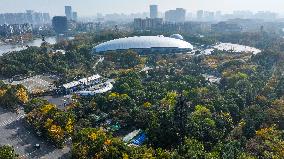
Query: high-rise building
pixel 2 19
pixel 59 24
pixel 223 27
pixel 148 23
pixel 176 16
pixel 266 15
pixel 46 18
pixel 209 16
pixel 218 15
pixel 153 11
pixel 200 15
pixel 30 17
pixel 74 16
pixel 68 12
pixel 38 17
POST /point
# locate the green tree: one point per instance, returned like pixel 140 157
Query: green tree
pixel 190 149
pixel 7 152
pixel 202 126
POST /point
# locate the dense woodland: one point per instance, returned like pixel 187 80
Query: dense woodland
pixel 183 114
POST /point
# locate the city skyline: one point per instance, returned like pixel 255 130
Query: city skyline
pixel 92 7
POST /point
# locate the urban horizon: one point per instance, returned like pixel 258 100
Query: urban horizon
pixel 146 12
pixel 94 7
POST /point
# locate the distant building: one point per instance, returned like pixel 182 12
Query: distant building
pixel 87 27
pixel 2 19
pixel 74 16
pixel 218 15
pixel 223 27
pixel 38 17
pixel 209 16
pixel 153 11
pixel 68 12
pixel 200 15
pixel 266 15
pixel 148 23
pixel 187 27
pixel 46 18
pixel 15 29
pixel 30 17
pixel 59 24
pixel 175 16
pixel 242 14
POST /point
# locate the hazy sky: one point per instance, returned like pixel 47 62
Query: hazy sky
pixel 92 7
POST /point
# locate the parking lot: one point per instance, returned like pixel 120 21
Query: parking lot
pixel 14 132
pixel 36 84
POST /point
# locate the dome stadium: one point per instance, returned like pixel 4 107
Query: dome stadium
pixel 146 44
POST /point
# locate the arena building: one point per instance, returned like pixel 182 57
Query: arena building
pixel 146 44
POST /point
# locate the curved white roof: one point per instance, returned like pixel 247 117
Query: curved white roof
pixel 143 42
pixel 177 36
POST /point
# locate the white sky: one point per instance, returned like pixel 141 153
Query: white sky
pixel 92 7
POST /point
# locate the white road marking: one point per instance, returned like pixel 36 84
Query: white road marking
pixel 11 120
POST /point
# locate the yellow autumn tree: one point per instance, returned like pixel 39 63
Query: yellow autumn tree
pixel 48 123
pixel 22 95
pixel 56 133
pixel 69 126
pixel 46 108
pixel 270 143
pixel 169 100
pixel 2 92
pixel 147 104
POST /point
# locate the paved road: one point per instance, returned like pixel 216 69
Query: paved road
pixel 60 102
pixel 14 132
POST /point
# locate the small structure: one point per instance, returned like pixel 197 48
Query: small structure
pixel 135 138
pixel 229 47
pixel 211 78
pixel 102 88
pixel 131 135
pixel 76 85
pixel 139 140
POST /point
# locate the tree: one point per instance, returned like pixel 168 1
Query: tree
pixel 56 134
pixel 254 116
pixel 275 113
pixel 231 149
pixel 95 143
pixel 190 149
pixel 268 143
pixel 11 96
pixel 52 123
pixel 22 95
pixel 181 112
pixel 202 126
pixel 7 152
pixel 224 122
pixel 127 59
pixel 34 103
pixel 170 100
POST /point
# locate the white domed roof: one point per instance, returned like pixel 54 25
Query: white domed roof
pixel 142 42
pixel 177 36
